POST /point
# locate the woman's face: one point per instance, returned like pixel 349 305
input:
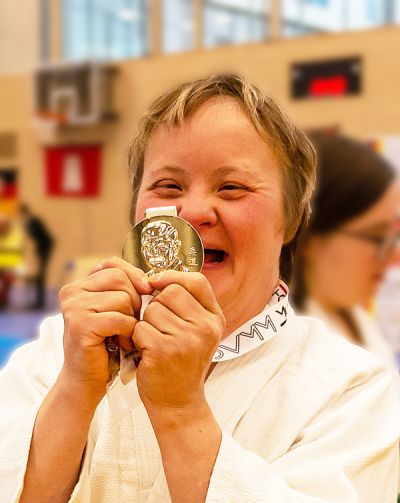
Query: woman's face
pixel 225 180
pixel 344 267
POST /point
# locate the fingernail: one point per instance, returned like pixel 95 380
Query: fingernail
pixel 145 282
pixel 156 277
pixel 99 266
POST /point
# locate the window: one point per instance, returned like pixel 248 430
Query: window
pixel 310 16
pixel 101 29
pixel 115 29
pixel 321 3
pixel 234 21
pixel 45 13
pixel 178 25
pixel 391 11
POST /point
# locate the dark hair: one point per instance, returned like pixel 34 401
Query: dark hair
pixel 351 177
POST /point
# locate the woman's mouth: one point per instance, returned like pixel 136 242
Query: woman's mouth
pixel 214 257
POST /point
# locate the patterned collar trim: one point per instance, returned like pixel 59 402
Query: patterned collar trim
pixel 258 330
pixel 247 337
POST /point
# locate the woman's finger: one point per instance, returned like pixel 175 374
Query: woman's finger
pixel 180 302
pixel 194 282
pixel 112 323
pixel 102 302
pixel 108 280
pixel 136 276
pixel 163 319
pixel 150 340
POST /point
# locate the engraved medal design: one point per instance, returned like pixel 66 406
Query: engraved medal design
pixel 159 242
pixel 163 241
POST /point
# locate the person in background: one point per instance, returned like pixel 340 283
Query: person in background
pixel 11 255
pixel 43 242
pixel 350 239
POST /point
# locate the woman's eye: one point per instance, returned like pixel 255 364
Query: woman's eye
pixel 167 186
pixel 231 186
pixel 232 189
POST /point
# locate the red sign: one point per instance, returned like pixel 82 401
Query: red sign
pixel 335 85
pixel 73 170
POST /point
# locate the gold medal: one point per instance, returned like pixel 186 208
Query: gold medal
pixel 159 242
pixel 163 241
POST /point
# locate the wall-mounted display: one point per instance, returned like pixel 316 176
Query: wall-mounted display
pixel 329 78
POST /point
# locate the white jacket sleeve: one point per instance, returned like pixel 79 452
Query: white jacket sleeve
pixel 349 453
pixel 24 382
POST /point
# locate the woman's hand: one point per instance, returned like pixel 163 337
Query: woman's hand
pixel 179 333
pixel 105 303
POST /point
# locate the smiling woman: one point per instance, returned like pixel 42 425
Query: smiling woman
pixel 270 127
pixel 235 398
pixel 225 188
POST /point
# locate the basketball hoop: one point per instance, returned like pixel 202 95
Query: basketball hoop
pixel 54 117
pixel 76 94
pixel 48 123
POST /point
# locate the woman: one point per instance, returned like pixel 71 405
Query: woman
pixel 235 398
pixel 349 241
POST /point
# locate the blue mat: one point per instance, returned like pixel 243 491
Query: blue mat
pixel 17 328
pixel 8 343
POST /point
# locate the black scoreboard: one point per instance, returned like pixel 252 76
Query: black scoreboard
pixel 327 78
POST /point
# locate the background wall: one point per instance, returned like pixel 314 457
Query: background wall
pixel 19 36
pixel 98 226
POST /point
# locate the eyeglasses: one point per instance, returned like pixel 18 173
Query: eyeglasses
pixel 384 244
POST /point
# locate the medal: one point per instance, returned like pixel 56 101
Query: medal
pixel 159 242
pixel 163 241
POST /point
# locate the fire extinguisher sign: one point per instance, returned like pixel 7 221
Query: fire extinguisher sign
pixel 73 170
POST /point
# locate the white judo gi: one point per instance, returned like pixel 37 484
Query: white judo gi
pixel 306 417
pixel 372 339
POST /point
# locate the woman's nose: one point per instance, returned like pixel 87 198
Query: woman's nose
pixel 199 211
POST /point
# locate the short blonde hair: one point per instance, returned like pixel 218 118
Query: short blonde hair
pixel 290 144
